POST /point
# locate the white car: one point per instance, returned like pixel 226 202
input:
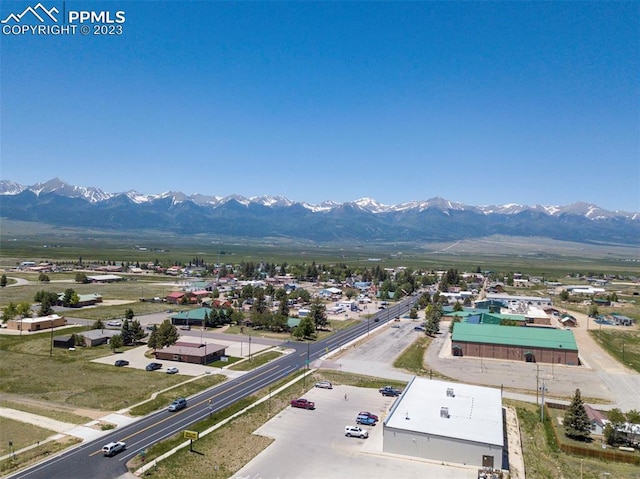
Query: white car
pixel 113 448
pixel 172 370
pixel 355 431
pixel 114 324
pixel 324 385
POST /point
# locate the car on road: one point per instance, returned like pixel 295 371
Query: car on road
pixel 178 404
pixel 121 362
pixel 172 370
pixel 153 366
pixel 389 391
pixel 114 324
pixel 324 385
pixel 113 448
pixel 365 420
pixel 303 403
pixel 355 431
pixel 368 414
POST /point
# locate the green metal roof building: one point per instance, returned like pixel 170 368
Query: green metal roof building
pixel 531 344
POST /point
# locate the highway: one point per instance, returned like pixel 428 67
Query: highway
pixel 87 461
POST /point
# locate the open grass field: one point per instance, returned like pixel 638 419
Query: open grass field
pixel 20 434
pixel 29 368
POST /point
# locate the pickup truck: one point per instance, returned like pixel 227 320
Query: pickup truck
pixel 113 448
pixel 389 391
pixel 303 403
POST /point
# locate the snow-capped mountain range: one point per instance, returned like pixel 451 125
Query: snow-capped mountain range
pixel 94 195
pixel 57 202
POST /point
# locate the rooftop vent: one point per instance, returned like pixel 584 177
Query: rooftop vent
pixel 444 412
pixel 450 393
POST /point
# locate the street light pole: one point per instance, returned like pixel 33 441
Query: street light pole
pixel 543 389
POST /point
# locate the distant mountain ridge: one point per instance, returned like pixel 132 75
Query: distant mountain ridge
pixel 437 219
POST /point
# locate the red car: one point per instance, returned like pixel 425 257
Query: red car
pixel 303 403
pixel 368 414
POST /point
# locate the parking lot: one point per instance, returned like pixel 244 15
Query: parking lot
pixel 312 443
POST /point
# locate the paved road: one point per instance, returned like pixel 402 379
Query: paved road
pixel 87 460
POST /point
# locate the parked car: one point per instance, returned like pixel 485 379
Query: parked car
pixel 389 391
pixel 365 420
pixel 121 362
pixel 395 325
pixel 172 370
pixel 355 431
pixel 153 366
pixel 178 404
pixel 368 414
pixel 419 328
pixel 324 385
pixel 303 403
pixel 113 448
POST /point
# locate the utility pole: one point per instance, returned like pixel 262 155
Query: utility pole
pixel 543 389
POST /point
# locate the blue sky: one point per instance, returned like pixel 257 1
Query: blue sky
pixel 477 102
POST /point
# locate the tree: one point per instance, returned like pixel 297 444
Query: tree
pixel 137 332
pixel 153 338
pixel 457 306
pixel 413 314
pixel 616 419
pixel 116 342
pixel 3 281
pixel 9 312
pixel 576 421
pixel 81 278
pixel 128 314
pixel 43 278
pixel 305 329
pixel 125 332
pixel 45 307
pixel 593 311
pixel 318 313
pixel 97 324
pixel 564 295
pixel 24 309
pixel 70 298
pixel 167 334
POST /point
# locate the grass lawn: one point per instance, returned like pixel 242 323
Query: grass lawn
pixel 256 361
pixel 20 434
pixel 183 390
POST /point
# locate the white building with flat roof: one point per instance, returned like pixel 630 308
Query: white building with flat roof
pixel 448 422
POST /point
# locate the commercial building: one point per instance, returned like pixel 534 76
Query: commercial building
pixel 36 324
pixel 448 422
pixel 530 344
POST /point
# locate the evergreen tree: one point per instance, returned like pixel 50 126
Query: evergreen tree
pixel 3 281
pixel 576 422
pixel 153 338
pixel 167 334
pixel 125 333
pixel 318 313
pixel 97 324
pixel 45 307
pixel 129 314
pixel 137 332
